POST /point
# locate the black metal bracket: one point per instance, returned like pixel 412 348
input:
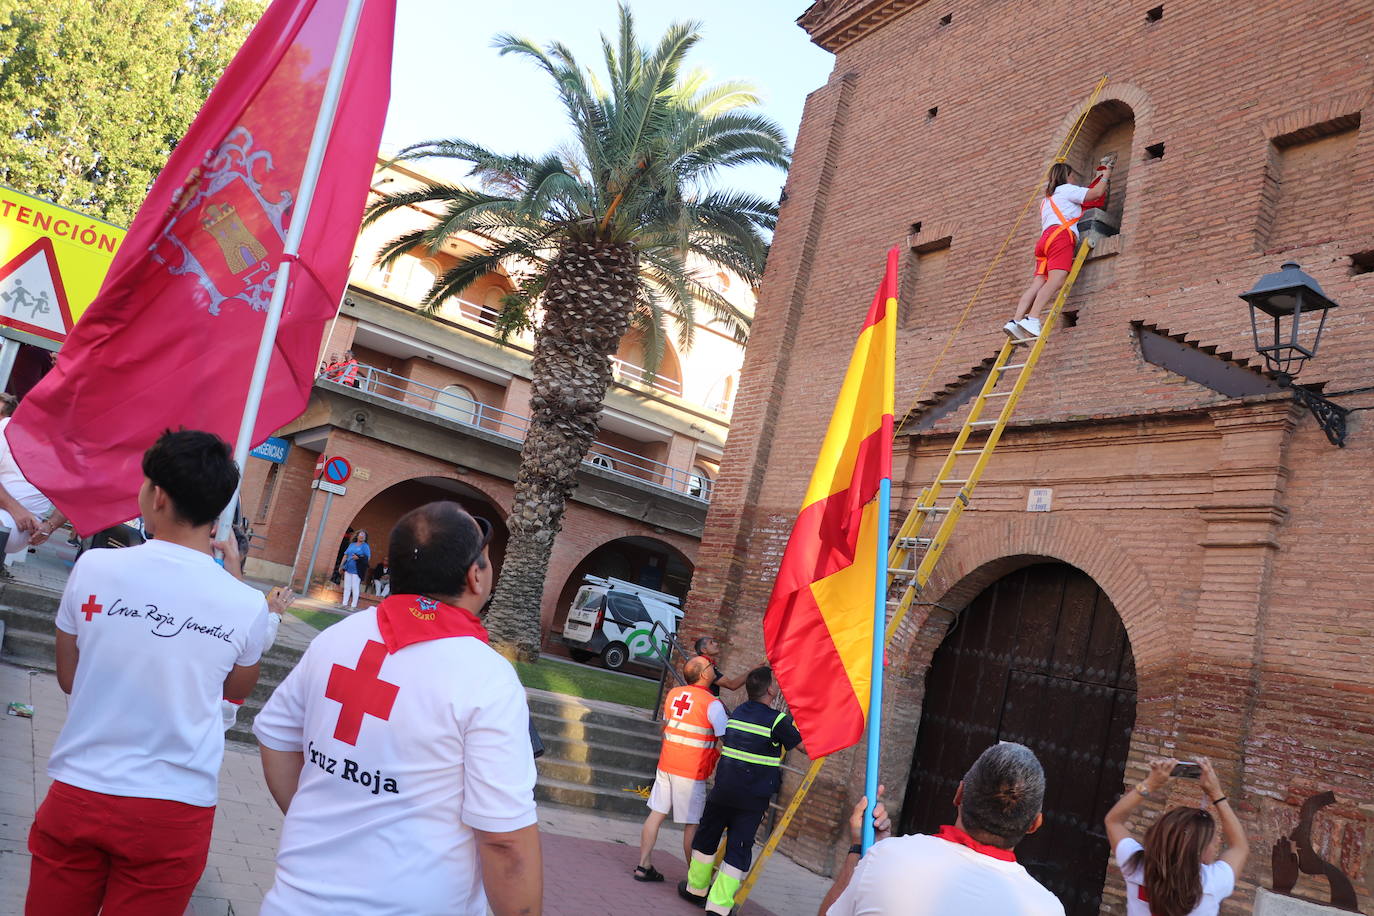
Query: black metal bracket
pixel 1330 415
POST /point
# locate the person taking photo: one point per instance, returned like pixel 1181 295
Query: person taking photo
pixel 1180 869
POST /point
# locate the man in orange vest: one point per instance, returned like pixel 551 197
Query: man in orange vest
pixel 693 721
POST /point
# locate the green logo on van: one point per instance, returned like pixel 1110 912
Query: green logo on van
pixel 642 644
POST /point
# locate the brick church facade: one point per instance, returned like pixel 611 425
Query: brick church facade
pixel 1201 583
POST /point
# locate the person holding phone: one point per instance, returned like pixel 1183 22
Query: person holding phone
pixel 1180 869
pixel 353 564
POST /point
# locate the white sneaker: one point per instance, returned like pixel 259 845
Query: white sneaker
pixel 1014 330
pixel 1031 326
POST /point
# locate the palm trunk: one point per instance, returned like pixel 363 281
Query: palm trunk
pixel 587 304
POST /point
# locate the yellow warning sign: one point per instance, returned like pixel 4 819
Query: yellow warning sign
pixel 52 262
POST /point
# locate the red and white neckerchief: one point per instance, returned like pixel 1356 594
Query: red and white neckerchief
pixel 955 835
pixel 408 619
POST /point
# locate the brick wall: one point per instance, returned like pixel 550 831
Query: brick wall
pixel 1232 539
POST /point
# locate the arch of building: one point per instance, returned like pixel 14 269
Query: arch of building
pixel 1120 120
pixel 986 552
pixel 632 556
pixel 385 505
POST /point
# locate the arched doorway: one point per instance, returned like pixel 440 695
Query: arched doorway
pixel 381 513
pixel 642 560
pixel 1040 657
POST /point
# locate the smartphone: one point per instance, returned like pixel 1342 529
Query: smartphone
pixel 1187 770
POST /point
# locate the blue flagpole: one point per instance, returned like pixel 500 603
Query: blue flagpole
pixel 875 691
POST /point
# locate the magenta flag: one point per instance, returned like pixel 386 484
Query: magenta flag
pixel 171 338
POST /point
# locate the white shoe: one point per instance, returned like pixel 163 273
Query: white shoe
pixel 1014 330
pixel 1031 326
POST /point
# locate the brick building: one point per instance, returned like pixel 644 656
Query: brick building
pixel 440 411
pixel 1201 583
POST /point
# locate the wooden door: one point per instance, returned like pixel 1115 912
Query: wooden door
pixel 1040 658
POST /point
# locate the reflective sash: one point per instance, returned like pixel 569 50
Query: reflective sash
pixel 1065 225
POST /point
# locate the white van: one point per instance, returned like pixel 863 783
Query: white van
pixel 615 619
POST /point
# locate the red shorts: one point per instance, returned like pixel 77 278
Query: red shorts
pixel 1058 254
pixel 115 855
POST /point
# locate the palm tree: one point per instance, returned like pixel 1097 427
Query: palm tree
pixel 609 222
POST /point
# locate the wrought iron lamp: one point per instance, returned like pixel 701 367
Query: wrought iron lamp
pixel 1279 302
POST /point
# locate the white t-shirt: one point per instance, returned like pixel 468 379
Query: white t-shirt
pixel 1069 199
pixel 158 628
pixel 921 875
pixel 12 479
pixel 1218 881
pixel 382 823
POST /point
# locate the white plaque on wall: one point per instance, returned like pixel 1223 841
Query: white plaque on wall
pixel 1039 499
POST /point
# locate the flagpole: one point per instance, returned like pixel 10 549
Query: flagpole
pixel 875 691
pixel 300 215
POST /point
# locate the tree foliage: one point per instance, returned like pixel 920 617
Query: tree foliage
pixel 95 95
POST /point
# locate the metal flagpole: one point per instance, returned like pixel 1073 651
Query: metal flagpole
pixel 300 215
pixel 875 691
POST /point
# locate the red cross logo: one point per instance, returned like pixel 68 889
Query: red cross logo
pixel 360 692
pixel 90 608
pixel 682 705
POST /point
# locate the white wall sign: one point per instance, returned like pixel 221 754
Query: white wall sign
pixel 1040 499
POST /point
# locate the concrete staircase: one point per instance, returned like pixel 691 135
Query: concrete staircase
pixel 597 755
pixel 28 614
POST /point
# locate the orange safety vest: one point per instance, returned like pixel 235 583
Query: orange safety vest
pixel 1065 225
pixel 690 745
pixel 348 372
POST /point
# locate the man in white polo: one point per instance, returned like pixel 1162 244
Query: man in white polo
pixel 399 748
pixel 968 868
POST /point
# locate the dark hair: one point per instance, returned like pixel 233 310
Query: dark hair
pixel 1173 860
pixel 1060 173
pixel 8 403
pixel 196 469
pixel 1003 791
pixel 757 682
pixel 435 546
pixel 700 644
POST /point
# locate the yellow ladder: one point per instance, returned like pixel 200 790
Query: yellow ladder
pixel 912 555
pixel 909 545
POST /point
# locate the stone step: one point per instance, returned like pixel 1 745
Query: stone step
pixel 602 777
pixel 614 802
pixel 623 719
pixel 18 594
pixel 574 730
pixel 41 620
pixel 29 649
pixel 593 754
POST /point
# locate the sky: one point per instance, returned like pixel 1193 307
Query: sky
pixel 447 80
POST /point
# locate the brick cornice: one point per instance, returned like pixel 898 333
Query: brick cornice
pixel 834 24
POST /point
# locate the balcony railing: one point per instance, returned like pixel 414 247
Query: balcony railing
pixel 451 406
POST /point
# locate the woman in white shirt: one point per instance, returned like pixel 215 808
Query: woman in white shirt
pixel 1060 208
pixel 1180 869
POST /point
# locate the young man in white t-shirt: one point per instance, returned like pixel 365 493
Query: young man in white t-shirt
pixel 969 868
pixel 399 748
pixel 149 639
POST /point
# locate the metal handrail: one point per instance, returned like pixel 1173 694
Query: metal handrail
pixel 626 370
pixel 668 647
pixel 471 412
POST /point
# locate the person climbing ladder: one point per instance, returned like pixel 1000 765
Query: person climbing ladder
pixel 1060 210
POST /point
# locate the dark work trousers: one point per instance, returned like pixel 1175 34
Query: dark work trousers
pixel 739 823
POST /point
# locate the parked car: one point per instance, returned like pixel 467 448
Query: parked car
pixel 616 620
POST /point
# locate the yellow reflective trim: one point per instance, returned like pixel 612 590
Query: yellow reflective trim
pixel 751 758
pixel 751 728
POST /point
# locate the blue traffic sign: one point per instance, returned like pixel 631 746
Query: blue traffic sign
pixel 273 450
pixel 336 470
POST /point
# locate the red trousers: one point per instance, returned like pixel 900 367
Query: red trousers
pixel 113 855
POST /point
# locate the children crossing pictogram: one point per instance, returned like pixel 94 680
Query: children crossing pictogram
pixel 32 295
pixel 360 692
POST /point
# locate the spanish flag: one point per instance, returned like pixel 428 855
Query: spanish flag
pixel 818 629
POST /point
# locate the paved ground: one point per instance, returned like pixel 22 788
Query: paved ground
pixel 587 857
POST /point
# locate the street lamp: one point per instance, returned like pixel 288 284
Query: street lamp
pixel 1284 298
